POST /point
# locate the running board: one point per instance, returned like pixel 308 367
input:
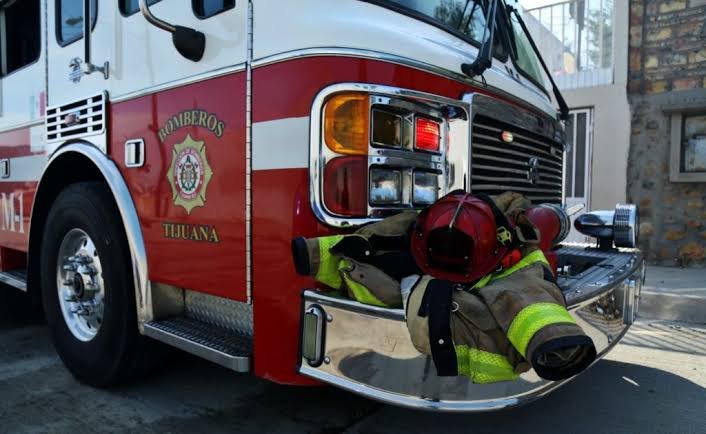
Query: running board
pixel 216 344
pixel 15 278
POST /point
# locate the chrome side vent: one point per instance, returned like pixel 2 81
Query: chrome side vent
pixel 82 118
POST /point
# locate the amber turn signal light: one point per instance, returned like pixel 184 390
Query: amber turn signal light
pixel 347 123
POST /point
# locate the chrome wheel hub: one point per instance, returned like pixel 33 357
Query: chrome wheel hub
pixel 79 280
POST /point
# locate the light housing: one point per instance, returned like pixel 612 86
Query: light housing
pixel 377 124
pixel 347 123
pixel 619 227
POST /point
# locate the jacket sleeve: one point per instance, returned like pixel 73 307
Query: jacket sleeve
pixel 531 312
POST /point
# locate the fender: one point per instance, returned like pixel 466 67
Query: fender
pixel 131 224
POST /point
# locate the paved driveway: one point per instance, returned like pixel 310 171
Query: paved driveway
pixel 654 382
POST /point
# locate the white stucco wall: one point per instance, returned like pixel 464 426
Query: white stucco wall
pixel 611 122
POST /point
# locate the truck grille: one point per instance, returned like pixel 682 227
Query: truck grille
pixel 531 164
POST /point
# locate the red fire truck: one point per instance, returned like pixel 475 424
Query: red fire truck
pixel 158 156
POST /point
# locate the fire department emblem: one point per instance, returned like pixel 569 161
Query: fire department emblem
pixel 189 174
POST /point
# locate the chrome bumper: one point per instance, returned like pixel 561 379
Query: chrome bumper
pixel 368 351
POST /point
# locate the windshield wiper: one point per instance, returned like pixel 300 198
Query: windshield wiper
pixel 563 108
pixel 485 53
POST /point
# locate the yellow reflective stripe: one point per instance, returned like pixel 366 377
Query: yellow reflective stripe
pixel 532 258
pixel 327 272
pixel 360 292
pixel 483 367
pixel 532 319
pixel 485 280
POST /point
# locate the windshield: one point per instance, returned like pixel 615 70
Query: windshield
pixel 523 55
pixel 464 18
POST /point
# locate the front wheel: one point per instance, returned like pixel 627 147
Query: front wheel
pixel 87 287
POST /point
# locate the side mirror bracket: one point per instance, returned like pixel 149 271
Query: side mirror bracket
pixel 188 42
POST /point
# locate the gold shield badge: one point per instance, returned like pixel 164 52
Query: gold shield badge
pixel 189 174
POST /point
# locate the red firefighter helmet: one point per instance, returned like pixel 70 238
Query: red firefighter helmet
pixel 456 239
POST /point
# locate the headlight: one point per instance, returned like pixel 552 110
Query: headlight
pixel 385 187
pixel 426 188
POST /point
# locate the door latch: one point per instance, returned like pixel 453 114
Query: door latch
pixel 135 153
pixel 4 168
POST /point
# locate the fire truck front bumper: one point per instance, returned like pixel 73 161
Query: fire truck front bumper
pixel 367 350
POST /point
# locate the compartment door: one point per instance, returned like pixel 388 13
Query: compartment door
pixel 190 116
pixel 22 91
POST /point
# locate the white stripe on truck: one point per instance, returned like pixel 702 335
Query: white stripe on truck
pixel 280 144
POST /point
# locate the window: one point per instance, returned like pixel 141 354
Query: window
pixel 209 8
pixel 688 153
pixel 69 20
pixel 465 19
pixel 21 29
pixel 129 7
pixel 524 56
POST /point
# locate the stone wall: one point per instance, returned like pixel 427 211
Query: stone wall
pixel 667 71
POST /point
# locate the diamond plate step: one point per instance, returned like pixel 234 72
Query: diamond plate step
pixel 211 342
pixel 16 278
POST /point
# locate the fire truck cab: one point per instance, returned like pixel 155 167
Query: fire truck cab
pixel 158 156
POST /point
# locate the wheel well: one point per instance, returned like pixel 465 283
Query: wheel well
pixel 67 169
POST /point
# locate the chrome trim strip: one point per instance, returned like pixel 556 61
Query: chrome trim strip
pixel 180 82
pixel 23 125
pixel 392 58
pixel 128 214
pixel 14 281
pixel 248 158
pixel 319 153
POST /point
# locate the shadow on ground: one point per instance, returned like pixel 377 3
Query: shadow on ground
pixel 191 395
pixel 17 310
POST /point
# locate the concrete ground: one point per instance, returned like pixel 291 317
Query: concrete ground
pixel 653 382
pixel 675 294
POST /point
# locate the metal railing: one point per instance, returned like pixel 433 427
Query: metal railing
pixel 577 37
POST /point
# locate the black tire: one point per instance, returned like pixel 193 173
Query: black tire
pixel 117 352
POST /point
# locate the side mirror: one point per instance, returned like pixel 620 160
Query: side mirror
pixel 189 43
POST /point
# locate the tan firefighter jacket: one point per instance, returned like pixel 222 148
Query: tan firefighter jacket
pixel 493 332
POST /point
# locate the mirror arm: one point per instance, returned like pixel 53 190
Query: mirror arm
pixel 160 24
pixel 189 43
